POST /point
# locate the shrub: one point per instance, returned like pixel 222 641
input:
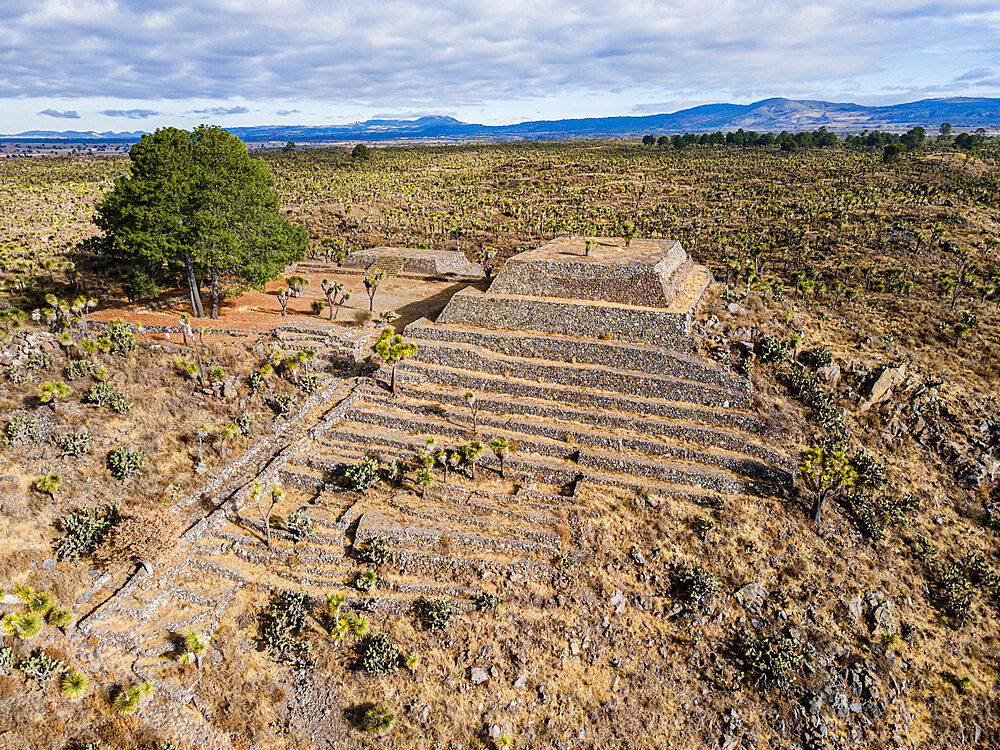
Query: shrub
pixel 141 536
pixel 309 383
pixel 773 349
pixel 74 443
pixel 124 463
pixel 107 394
pixel 121 337
pixel 85 528
pixel 435 614
pixel 378 719
pixel 21 430
pixel 42 668
pixel 299 526
pixel 79 368
pixel 363 475
pixel 377 551
pixel 380 655
pixel 281 628
pixel 485 600
pixel 317 306
pixel 695 586
pixel 768 661
pixel 283 403
pixel 819 356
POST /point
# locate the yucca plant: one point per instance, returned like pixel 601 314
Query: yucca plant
pixel 358 626
pixel 74 685
pixel 378 720
pixel 58 617
pixel 128 699
pixel 22 625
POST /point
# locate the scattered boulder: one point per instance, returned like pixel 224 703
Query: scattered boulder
pixel 881 388
pixel 752 596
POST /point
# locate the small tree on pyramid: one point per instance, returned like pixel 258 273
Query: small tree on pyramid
pixel 393 349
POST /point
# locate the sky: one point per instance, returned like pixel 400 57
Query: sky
pixel 126 65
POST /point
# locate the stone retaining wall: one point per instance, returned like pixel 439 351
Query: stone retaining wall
pixel 639 325
pixel 645 359
pixel 481 384
pixel 464 357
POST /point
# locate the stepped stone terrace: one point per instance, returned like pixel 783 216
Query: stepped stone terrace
pixel 584 363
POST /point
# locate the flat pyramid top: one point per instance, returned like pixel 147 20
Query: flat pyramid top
pixel 604 251
pixel 640 272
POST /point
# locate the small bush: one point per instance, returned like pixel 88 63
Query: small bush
pixel 773 349
pixel 283 404
pixel 124 463
pixel 380 655
pixel 362 476
pixel 79 368
pixel 768 661
pixel 42 668
pixel 107 394
pixel 695 587
pixel 21 430
pixel 121 336
pixel 435 614
pixel 129 699
pixel 299 526
pixel 309 383
pixel 74 444
pixel 484 600
pixel 84 529
pixel 819 356
pixel 377 551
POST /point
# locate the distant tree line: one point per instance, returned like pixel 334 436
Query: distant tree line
pixel 911 140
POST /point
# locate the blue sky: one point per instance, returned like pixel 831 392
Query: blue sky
pixel 131 65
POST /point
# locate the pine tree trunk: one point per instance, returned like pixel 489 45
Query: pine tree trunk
pixel 215 292
pixel 196 308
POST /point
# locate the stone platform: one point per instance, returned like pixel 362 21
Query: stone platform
pixel 413 260
pixel 640 291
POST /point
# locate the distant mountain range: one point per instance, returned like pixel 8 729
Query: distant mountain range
pixel 964 113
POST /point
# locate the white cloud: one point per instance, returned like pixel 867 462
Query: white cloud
pixel 433 55
pixel 68 114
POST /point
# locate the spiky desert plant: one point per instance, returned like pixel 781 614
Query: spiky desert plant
pixel 74 685
pixel 52 392
pixel 378 719
pixel 22 625
pixel 49 484
pixel 127 700
pixel 358 626
pixel 58 617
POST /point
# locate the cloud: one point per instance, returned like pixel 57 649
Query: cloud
pixel 427 55
pixel 132 114
pixel 68 114
pixel 287 112
pixel 241 110
pixel 976 74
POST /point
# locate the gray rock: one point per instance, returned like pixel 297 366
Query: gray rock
pixel 618 601
pixel 478 676
pixel 752 596
pixel 49 563
pixel 521 681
